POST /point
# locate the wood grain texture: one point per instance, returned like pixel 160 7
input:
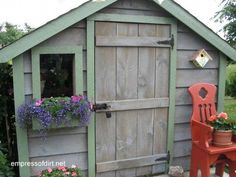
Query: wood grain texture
pixel 71 144
pixel 105 90
pixel 183 28
pixel 186 78
pixel 127 81
pixel 27 62
pixel 137 4
pixel 105 78
pixel 182 132
pixel 182 148
pixel 191 41
pixel 130 41
pixel 184 161
pixel 28 84
pixel 70 36
pixel 183 114
pixel 136 104
pixel 184 60
pixel 162 73
pixel 132 19
pixel 182 97
pixel 129 163
pixel 127 73
pixel 133 71
pixel 160 130
pixel 136 12
pixel 146 89
pixel 81 24
pixel 58 132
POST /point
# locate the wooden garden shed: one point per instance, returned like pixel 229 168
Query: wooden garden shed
pixel 133 55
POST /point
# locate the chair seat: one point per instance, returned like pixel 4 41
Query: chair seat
pixel 218 150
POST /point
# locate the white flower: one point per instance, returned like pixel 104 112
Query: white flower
pixel 73 166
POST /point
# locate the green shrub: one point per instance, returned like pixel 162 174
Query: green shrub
pixel 231 85
pixel 5 169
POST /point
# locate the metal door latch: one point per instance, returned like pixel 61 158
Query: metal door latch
pixel 102 106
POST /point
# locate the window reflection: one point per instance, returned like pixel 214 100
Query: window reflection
pixel 56 72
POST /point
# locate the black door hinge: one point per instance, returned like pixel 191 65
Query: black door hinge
pixel 170 41
pixel 167 158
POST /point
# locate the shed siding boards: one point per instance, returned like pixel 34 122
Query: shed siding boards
pixel 71 144
pixel 73 148
pixel 189 42
pixel 136 7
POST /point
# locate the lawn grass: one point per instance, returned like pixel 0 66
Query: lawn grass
pixel 230 106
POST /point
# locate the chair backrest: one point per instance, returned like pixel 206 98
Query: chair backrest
pixel 203 98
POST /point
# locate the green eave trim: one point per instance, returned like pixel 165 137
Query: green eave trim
pixel 50 29
pixel 91 7
pixel 193 23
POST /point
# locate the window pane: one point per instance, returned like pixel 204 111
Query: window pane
pixel 56 72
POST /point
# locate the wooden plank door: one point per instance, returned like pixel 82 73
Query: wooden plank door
pixel 132 77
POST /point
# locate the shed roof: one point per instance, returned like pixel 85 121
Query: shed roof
pixel 64 21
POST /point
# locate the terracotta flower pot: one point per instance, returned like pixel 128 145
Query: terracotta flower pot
pixel 222 137
pixel 234 137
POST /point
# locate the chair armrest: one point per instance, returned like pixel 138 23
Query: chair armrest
pixel 201 132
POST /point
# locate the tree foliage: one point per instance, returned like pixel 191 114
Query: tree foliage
pixel 8 34
pixel 228 16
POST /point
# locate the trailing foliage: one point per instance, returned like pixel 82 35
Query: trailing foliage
pixel 58 111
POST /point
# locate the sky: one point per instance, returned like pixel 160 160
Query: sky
pixel 37 12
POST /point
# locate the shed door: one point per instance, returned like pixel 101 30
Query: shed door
pixel 132 76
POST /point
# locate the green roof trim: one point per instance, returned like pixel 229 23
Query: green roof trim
pixel 64 21
pixel 202 30
pixel 51 28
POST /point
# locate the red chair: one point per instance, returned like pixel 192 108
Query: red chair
pixel 204 154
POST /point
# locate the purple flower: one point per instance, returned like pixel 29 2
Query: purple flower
pixel 58 111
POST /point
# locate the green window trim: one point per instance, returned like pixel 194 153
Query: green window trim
pixel 19 97
pixel 78 66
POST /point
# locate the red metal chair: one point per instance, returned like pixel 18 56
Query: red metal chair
pixel 204 154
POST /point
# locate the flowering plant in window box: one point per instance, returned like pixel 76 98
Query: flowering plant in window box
pixel 55 112
pixel 62 171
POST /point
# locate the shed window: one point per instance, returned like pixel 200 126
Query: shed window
pixel 56 75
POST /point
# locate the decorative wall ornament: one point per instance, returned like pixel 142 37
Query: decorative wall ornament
pixel 201 58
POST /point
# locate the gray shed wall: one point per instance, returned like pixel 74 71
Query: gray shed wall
pixel 74 145
pixel 186 75
pixel 68 144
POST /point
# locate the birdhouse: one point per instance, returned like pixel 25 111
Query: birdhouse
pixel 201 58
